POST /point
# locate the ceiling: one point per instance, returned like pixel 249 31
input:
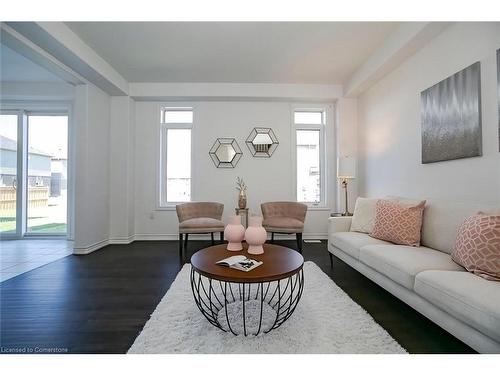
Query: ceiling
pixel 14 67
pixel 241 52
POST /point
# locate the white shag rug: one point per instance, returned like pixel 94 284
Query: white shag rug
pixel 326 320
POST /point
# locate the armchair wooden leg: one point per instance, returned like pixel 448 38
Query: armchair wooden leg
pixel 212 237
pixel 181 258
pixel 186 243
pixel 331 259
pixel 221 234
pixel 272 237
pixel 299 241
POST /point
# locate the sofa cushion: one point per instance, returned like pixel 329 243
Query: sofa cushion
pixel 351 242
pixel 201 225
pixel 402 263
pixel 339 224
pixel 469 298
pixel 283 224
pixel 363 218
pixel 442 219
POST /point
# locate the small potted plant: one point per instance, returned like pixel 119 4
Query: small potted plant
pixel 242 196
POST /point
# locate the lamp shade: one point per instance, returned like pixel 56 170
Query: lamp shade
pixel 346 167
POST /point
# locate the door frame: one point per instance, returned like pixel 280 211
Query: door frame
pixel 20 167
pixel 23 109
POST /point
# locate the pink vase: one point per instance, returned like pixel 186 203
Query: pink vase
pixel 234 233
pixel 255 235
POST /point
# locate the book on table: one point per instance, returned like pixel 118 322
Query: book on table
pixel 239 262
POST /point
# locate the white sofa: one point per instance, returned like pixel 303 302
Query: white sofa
pixel 426 278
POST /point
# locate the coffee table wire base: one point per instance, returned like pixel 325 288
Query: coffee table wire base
pixel 212 296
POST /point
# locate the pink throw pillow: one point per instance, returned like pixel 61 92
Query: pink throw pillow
pixel 477 247
pixel 398 222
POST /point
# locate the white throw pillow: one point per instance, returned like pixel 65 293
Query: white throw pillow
pixel 363 219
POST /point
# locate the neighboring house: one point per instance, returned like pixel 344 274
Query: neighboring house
pixel 39 164
pixel 47 175
pixel 309 191
pixel 59 180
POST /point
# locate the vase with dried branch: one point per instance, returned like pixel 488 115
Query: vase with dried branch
pixel 242 196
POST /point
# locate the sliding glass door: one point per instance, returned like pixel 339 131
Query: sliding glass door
pixel 33 174
pixel 8 174
pixel 47 174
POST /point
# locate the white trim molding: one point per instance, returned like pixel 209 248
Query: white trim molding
pixel 173 237
pixel 91 248
pixel 204 237
pixel 121 240
pixel 147 91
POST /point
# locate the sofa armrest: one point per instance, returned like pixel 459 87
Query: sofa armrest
pixel 339 224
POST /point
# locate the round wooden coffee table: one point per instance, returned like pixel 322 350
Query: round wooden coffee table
pixel 276 284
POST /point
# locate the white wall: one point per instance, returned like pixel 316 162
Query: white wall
pixel 131 164
pixel 389 123
pixel 92 198
pixel 267 179
pixel 121 172
pixel 347 145
pixel 33 91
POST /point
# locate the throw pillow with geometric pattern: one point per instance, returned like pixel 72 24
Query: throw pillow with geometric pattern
pixel 477 247
pixel 397 222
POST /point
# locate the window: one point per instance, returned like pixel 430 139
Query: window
pixel 309 137
pixel 178 116
pixel 308 118
pixel 175 165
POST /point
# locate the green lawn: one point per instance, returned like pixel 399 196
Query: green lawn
pixel 8 224
pixel 49 228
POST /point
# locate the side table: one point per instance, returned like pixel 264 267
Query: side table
pixel 243 211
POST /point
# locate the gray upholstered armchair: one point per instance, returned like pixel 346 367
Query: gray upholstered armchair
pixel 199 218
pixel 284 217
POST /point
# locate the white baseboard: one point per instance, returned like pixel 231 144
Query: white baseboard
pixel 90 248
pixel 174 237
pixel 204 237
pixel 122 240
pixel 315 236
pixel 167 237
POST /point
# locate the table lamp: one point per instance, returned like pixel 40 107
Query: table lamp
pixel 346 170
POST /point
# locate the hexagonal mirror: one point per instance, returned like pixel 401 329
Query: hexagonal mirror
pixel 262 142
pixel 225 153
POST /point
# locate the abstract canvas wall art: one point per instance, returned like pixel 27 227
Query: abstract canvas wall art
pixel 451 117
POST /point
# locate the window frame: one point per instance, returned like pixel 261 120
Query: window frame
pixel 322 204
pixel 162 203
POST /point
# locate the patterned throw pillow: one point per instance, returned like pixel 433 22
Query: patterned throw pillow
pixel 398 222
pixel 477 248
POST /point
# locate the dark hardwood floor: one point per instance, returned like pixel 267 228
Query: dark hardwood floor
pixel 98 303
